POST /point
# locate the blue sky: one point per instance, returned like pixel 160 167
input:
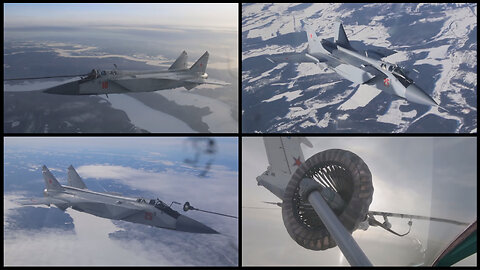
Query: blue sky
pixel 191 15
pixel 174 147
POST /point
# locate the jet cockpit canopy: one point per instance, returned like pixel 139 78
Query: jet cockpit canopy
pixel 157 203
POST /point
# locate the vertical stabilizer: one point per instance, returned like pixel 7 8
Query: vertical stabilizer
pixel 314 44
pixel 340 36
pixel 284 156
pixel 74 179
pixel 201 64
pixel 180 63
pixel 50 181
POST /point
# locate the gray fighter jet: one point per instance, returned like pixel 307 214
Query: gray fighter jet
pixel 113 206
pixel 116 81
pixel 359 68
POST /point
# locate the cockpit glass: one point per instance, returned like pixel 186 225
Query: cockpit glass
pixel 399 71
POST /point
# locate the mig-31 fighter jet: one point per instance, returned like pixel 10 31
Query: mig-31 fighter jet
pixel 359 68
pixel 117 81
pixel 152 212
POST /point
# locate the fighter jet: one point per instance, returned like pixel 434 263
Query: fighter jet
pixel 153 212
pixel 117 81
pixel 367 68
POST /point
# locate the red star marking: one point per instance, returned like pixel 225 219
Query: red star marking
pixel 310 35
pixel 148 215
pixel 50 181
pixel 297 162
pixel 200 64
pixel 386 82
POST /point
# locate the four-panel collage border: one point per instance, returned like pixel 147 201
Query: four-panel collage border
pixel 240 136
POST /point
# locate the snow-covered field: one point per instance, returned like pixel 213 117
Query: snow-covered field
pixel 220 120
pixel 147 118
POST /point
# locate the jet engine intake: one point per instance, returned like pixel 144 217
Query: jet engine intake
pixel 344 180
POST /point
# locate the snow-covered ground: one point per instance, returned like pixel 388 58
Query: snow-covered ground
pixel 220 120
pixel 147 118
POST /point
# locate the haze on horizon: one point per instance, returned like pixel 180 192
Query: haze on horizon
pixel 215 16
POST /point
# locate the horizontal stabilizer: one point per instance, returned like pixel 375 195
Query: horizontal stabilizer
pixel 190 85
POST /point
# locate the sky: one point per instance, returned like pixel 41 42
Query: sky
pixel 229 144
pixel 423 176
pixel 146 166
pixel 185 15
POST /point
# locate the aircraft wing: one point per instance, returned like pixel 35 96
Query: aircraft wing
pixel 172 77
pixel 353 74
pixel 294 58
pixel 40 200
pixel 206 81
pixel 379 53
pixel 347 71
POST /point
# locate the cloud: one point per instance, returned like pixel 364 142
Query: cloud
pixel 99 241
pixel 88 245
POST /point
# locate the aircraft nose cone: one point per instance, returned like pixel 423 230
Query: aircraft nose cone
pixel 415 94
pixel 187 224
pixel 71 88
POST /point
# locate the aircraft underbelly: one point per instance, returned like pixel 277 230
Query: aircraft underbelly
pixel 148 84
pixel 101 209
pixel 97 87
pixel 154 218
pixel 389 84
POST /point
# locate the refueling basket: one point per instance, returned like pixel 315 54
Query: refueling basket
pixel 341 171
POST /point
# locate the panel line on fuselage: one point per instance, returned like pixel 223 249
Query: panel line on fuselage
pixel 87 191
